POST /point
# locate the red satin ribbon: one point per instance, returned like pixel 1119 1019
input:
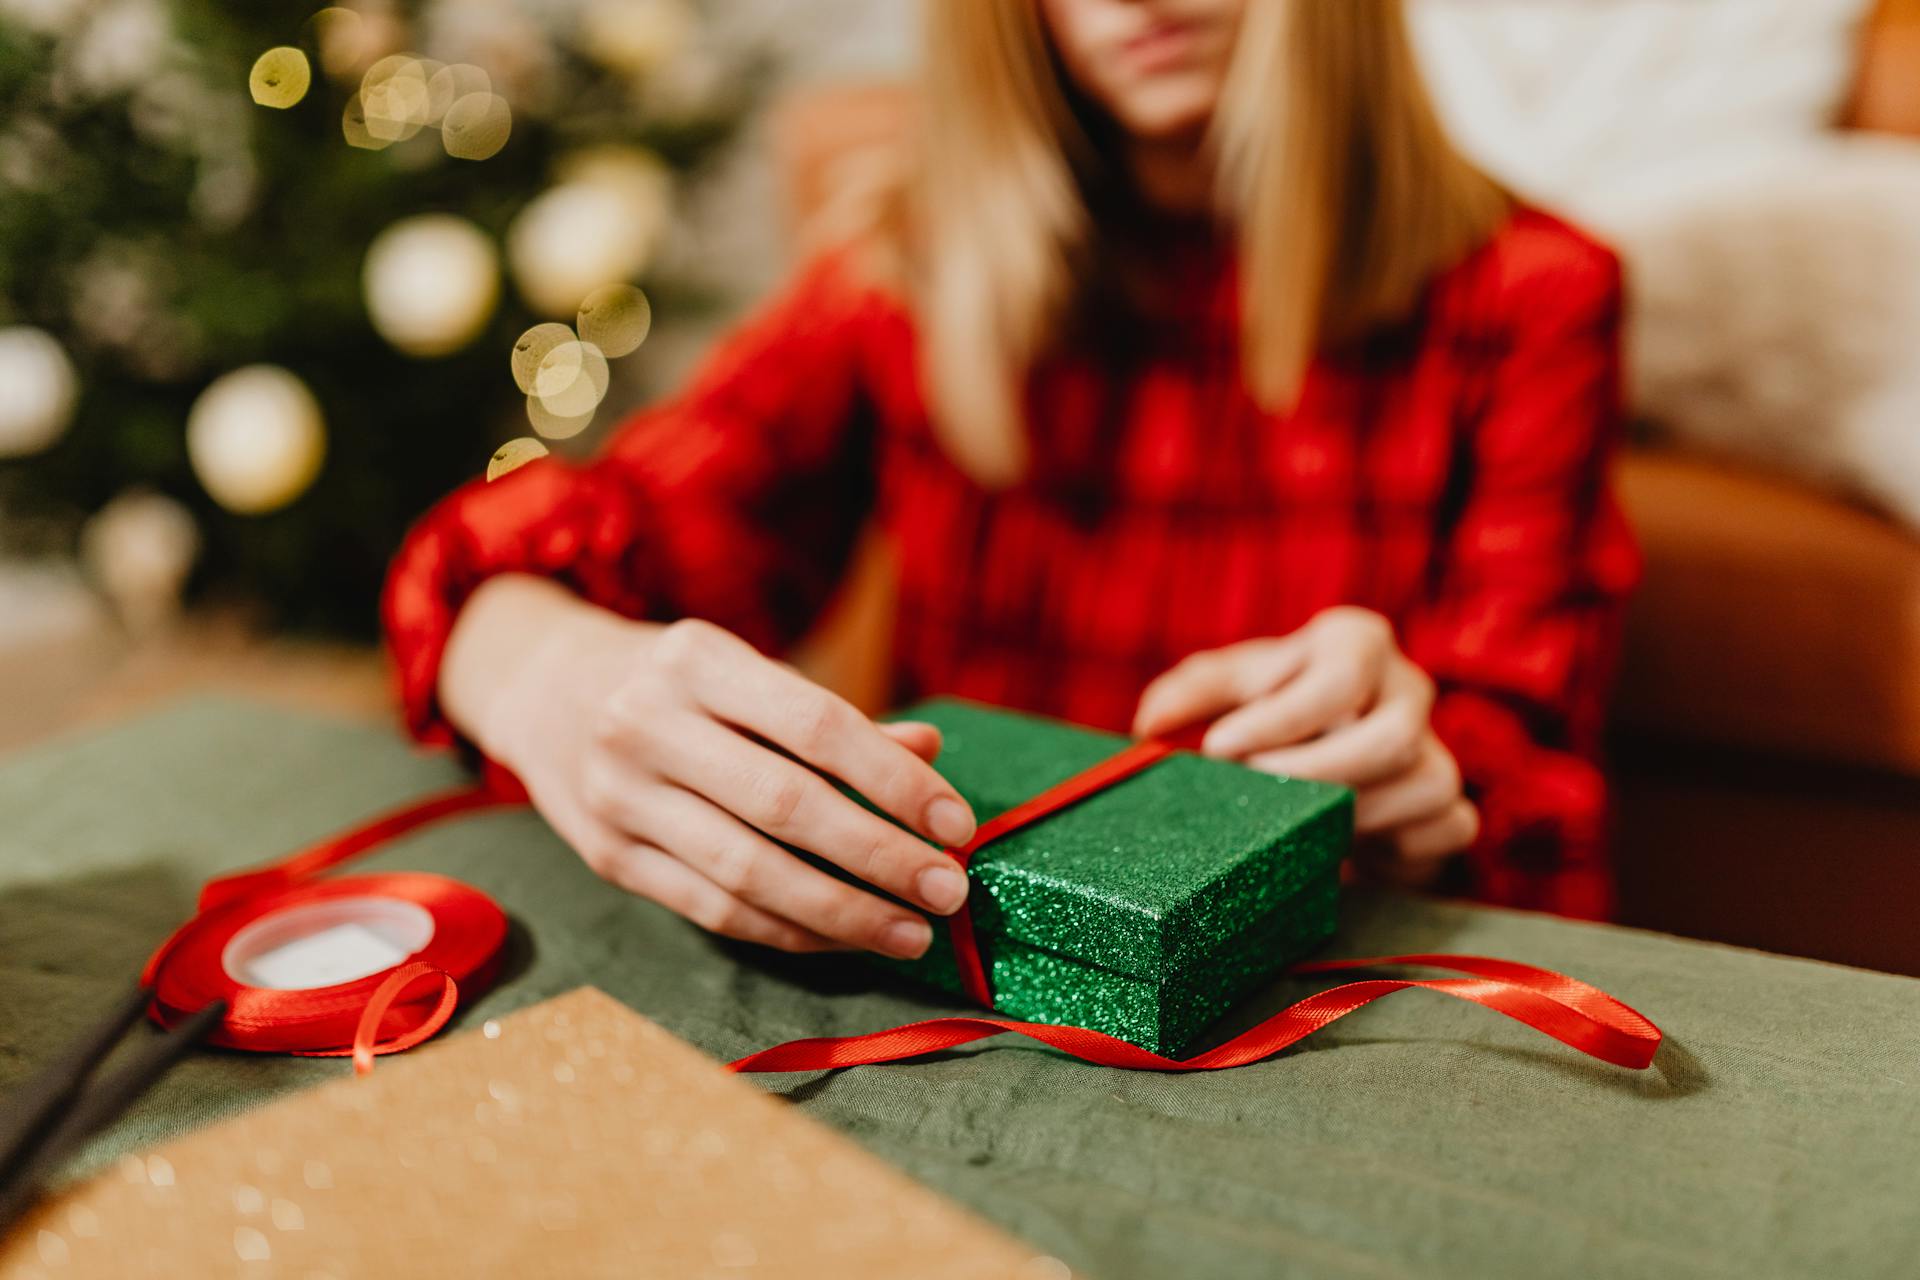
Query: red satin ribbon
pixel 368 1016
pixel 1567 1009
pixel 366 1034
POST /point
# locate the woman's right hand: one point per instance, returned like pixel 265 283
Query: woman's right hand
pixel 672 758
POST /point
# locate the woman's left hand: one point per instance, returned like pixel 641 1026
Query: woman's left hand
pixel 1336 701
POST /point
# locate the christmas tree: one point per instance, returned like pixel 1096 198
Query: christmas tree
pixel 263 269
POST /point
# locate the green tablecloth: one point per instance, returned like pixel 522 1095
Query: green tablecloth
pixel 1779 1133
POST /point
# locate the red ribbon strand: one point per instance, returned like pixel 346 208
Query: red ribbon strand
pixel 1567 1009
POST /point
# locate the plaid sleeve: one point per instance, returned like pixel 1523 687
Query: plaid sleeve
pixel 1522 629
pixel 738 501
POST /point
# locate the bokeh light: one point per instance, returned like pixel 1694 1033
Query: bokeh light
pixel 450 84
pixel 401 93
pixel 637 36
pixel 476 126
pixel 391 67
pixel 552 425
pixel 350 40
pixel 338 36
pixel 394 96
pixel 571 380
pixel 569 240
pixel 353 124
pixel 139 549
pixel 280 77
pixel 532 347
pixel 513 455
pixel 38 389
pixel 431 282
pixel 616 318
pixel 256 439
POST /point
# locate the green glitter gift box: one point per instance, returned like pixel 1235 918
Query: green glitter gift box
pixel 1148 909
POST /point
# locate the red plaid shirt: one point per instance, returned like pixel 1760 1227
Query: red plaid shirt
pixel 1450 475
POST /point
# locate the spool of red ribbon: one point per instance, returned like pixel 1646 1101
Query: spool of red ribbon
pixel 361 965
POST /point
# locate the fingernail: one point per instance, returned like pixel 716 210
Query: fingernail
pixel 942 888
pixel 907 939
pixel 1217 743
pixel 950 821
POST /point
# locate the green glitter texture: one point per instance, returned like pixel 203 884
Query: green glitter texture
pixel 1145 911
pixel 1165 1017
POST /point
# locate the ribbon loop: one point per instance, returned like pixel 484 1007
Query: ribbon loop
pixel 366 1037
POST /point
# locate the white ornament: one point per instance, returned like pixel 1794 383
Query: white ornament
pixel 256 439
pixel 37 390
pixel 139 548
pixel 431 282
pixel 600 225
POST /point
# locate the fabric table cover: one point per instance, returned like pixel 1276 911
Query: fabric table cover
pixel 1777 1135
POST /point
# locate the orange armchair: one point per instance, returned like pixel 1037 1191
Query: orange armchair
pixel 1768 745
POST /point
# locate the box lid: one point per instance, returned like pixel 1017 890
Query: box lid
pixel 1161 868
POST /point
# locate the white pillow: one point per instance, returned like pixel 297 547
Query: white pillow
pixel 1568 101
pixel 1775 315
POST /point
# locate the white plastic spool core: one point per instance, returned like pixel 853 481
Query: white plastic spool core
pixel 322 944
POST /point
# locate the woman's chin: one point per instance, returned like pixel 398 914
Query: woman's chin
pixel 1169 108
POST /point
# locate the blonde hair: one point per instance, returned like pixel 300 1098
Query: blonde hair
pixel 1334 172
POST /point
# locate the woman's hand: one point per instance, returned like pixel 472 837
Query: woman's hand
pixel 1339 702
pixel 672 757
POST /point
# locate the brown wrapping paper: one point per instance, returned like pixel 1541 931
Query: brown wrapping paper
pixel 574 1138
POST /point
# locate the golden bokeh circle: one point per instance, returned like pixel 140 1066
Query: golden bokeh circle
pixel 571 380
pixel 353 124
pixel 390 67
pixel 552 425
pixel 280 77
pixel 616 318
pixel 532 347
pixel 396 107
pixel 341 37
pixel 513 455
pixel 451 83
pixel 476 126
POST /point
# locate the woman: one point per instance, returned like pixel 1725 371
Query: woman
pixel 1194 378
